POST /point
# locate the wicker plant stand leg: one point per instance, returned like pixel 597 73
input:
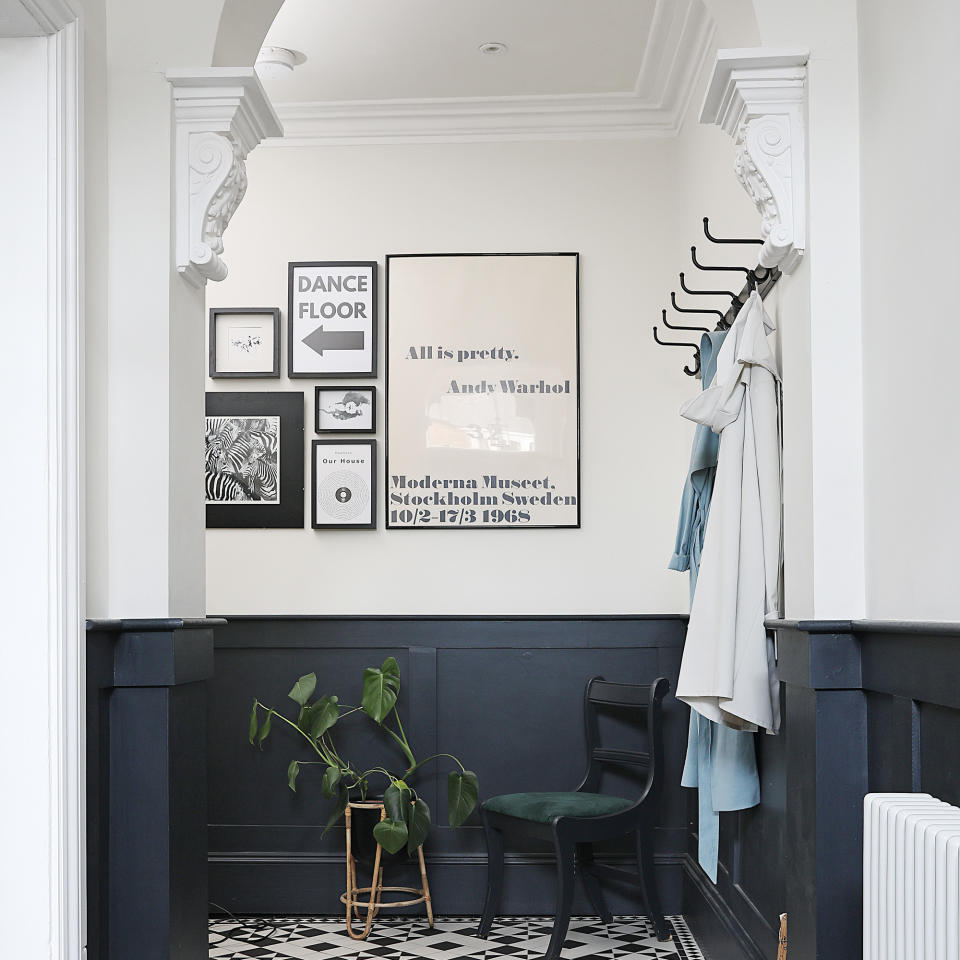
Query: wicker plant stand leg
pixel 375 902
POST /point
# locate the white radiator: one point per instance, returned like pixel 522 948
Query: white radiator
pixel 911 877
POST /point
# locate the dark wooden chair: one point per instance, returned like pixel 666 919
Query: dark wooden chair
pixel 573 822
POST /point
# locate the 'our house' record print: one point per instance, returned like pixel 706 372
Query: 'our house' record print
pixel 482 391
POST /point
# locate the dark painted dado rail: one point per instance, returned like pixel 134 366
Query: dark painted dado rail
pixel 504 694
pixel 868 706
pixel 146 788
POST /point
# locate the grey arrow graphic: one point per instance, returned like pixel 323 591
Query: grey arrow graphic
pixel 321 340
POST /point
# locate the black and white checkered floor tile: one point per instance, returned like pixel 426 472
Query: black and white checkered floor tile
pixel 452 938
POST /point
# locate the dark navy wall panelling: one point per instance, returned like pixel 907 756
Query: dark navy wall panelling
pixel 502 694
pixel 867 707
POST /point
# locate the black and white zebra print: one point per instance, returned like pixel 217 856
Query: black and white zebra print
pixel 242 459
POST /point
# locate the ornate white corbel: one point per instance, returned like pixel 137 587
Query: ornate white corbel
pixel 758 96
pixel 220 115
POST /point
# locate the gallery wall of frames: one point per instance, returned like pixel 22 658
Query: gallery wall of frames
pixel 481 426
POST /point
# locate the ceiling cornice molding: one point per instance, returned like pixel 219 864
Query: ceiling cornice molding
pixel 677 48
pixel 50 15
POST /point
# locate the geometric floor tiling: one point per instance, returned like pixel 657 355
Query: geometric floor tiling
pixel 452 938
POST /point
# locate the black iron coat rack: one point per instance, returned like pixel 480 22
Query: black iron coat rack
pixel 759 278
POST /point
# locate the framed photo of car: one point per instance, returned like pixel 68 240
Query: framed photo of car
pixel 345 410
pixel 244 342
pixel 343 489
pixel 254 459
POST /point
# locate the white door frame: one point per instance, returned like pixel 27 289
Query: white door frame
pixel 55 602
pixel 64 309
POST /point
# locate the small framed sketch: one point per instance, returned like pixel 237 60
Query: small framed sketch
pixel 254 460
pixel 346 410
pixel 244 342
pixel 344 487
pixel 332 319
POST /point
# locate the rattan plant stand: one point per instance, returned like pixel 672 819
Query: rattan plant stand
pixel 375 903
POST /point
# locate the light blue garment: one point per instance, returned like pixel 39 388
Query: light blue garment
pixel 721 762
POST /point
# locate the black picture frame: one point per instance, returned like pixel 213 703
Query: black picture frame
pixel 323 388
pixel 289 511
pixel 318 372
pixel 273 371
pixel 386 404
pixel 372 466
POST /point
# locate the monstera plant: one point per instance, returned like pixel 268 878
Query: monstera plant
pixel 407 820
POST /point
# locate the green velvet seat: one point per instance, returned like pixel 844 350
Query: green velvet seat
pixel 572 822
pixel 544 807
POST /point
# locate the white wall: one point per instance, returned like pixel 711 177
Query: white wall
pixel 910 141
pixel 620 204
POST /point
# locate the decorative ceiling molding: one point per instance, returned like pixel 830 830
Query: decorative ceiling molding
pixel 50 15
pixel 676 48
pixel 758 97
pixel 220 115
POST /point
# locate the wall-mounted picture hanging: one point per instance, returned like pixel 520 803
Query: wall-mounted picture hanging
pixel 345 410
pixel 332 319
pixel 244 342
pixel 344 487
pixel 254 459
pixel 483 391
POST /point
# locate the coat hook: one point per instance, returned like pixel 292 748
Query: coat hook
pixel 712 239
pixel 712 293
pixel 676 343
pixel 679 309
pixel 678 326
pixel 703 266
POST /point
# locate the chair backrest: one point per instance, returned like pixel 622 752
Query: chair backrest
pixel 643 700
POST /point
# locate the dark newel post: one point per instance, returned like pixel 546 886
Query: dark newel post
pixel 826 740
pixel 152 789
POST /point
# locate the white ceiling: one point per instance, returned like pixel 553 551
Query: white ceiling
pixel 411 70
pixel 387 49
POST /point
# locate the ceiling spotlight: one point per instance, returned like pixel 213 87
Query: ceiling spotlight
pixel 493 48
pixel 277 61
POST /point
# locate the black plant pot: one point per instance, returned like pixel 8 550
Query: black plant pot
pixel 362 842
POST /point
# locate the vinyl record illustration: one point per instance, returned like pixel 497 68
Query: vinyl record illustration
pixel 343 495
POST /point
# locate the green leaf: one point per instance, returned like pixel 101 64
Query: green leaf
pixel 265 729
pixel 396 801
pixel 391 835
pixel 339 807
pixel 292 772
pixel 380 689
pixel 418 826
pixel 303 689
pixel 326 714
pixel 463 791
pixel 253 722
pixel 331 777
pixel 317 718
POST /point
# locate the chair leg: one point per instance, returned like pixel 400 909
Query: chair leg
pixel 491 903
pixel 648 883
pixel 566 876
pixel 592 884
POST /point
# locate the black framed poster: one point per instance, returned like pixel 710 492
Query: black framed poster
pixel 343 487
pixel 254 459
pixel 483 391
pixel 332 319
pixel 244 342
pixel 345 409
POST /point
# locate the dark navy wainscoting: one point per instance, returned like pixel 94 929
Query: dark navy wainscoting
pixel 503 694
pixel 146 788
pixel 868 706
